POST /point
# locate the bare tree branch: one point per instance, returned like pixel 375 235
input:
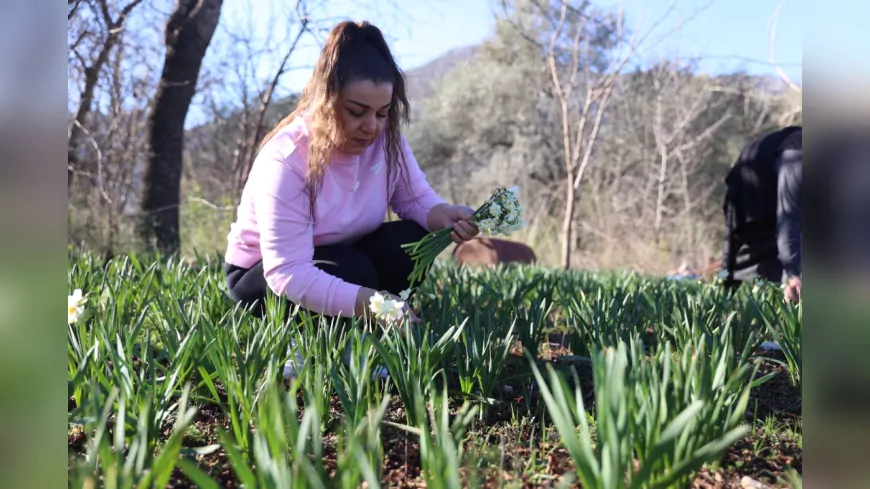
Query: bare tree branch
pixel 99 161
pixel 772 23
pixel 211 205
pixel 92 73
pixel 266 97
pixel 73 6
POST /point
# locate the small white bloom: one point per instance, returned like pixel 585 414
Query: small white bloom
pixel 405 294
pixel 514 190
pixel 392 310
pixel 387 309
pixel 376 302
pixel 75 306
pixel 488 227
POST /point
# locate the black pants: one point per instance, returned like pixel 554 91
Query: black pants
pixel 376 261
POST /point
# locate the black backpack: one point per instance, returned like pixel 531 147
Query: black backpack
pixel 751 200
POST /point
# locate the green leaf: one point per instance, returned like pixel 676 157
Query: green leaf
pixel 196 475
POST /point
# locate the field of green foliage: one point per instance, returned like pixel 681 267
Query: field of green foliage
pixel 519 377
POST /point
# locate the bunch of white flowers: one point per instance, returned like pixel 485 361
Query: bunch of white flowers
pixel 386 309
pixel 500 214
pixel 75 306
pixel 504 214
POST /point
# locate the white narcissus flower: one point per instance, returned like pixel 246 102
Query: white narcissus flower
pixel 393 306
pixel 75 306
pixel 384 308
pixel 405 294
pixel 376 302
pixel 395 311
pixel 488 227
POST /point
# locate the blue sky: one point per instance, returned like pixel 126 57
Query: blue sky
pixel 729 34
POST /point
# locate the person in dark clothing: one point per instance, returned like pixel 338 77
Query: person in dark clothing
pixel 763 212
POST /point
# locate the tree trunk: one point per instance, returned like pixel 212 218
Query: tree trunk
pixel 660 194
pixel 568 224
pixel 188 34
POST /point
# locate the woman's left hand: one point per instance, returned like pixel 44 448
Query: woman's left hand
pixel 457 217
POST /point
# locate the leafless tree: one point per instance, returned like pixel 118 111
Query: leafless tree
pixel 586 52
pixel 109 144
pixel 578 141
pixel 100 30
pixel 678 107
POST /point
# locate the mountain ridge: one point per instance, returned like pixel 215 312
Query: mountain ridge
pixel 421 80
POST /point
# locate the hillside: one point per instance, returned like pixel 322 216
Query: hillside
pixel 422 79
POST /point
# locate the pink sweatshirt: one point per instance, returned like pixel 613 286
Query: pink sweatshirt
pixel 273 221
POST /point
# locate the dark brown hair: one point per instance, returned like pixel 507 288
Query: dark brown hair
pixel 354 51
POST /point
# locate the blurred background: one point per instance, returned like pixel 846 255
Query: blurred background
pixel 660 97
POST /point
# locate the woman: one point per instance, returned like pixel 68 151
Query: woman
pixel 310 224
